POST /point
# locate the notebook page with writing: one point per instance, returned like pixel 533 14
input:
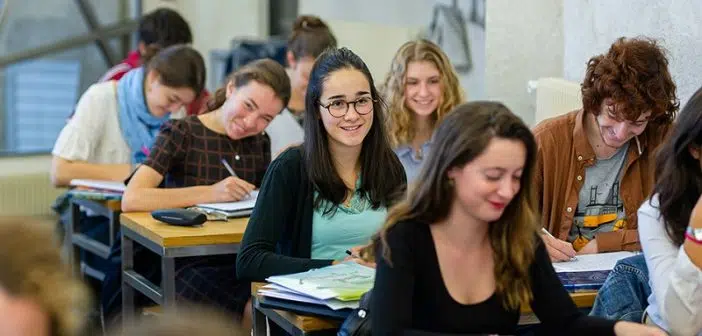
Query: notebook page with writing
pixel 592 262
pixel 245 204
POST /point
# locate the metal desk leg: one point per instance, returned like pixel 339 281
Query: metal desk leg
pixel 73 251
pixel 127 290
pixel 259 320
pixel 168 282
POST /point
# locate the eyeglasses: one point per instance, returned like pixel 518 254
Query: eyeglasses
pixel 339 108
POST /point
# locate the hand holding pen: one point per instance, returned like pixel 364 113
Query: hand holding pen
pixel 355 255
pixel 558 250
pixel 232 188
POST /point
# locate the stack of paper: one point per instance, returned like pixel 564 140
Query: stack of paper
pixel 339 286
pixel 98 190
pixel 99 185
pixel 241 208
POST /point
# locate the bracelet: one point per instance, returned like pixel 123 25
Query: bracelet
pixel 694 235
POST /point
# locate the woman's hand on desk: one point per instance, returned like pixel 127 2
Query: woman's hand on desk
pixel 356 256
pixel 558 250
pixel 231 189
pixel 623 328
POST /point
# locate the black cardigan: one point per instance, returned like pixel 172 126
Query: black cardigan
pixel 278 238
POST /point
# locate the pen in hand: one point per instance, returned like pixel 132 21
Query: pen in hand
pixel 544 231
pixel 352 255
pixel 229 168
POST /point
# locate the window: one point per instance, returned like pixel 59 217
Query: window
pixel 37 95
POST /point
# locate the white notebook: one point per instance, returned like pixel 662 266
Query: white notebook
pixel 592 262
pixel 245 204
pixel 99 184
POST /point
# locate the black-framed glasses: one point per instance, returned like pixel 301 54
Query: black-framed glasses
pixel 339 108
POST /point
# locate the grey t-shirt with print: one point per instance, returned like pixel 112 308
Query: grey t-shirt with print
pixel 599 206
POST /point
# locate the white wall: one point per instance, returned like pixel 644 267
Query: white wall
pixel 524 41
pixel 591 26
pixel 215 23
pixel 376 29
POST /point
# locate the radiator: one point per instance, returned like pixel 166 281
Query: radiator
pixel 556 96
pixel 27 195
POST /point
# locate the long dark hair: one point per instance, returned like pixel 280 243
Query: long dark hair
pixel 678 174
pixel 462 136
pixel 382 175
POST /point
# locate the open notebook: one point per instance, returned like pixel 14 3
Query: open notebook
pixel 233 209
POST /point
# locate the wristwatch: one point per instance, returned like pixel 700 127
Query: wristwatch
pixel 694 234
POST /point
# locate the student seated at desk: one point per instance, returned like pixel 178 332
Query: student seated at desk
pixel 188 157
pixel 462 254
pixel 114 125
pixel 420 89
pixel 309 38
pixel 116 122
pixel 670 228
pixel 329 195
pixel 188 153
pixel 595 165
pixel 38 294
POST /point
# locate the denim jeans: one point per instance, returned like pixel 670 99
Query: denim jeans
pixel 624 295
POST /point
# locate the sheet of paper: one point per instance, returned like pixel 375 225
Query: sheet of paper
pixel 245 204
pixel 292 296
pixel 345 281
pixel 592 262
pixel 99 184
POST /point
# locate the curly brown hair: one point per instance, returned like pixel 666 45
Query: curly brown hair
pixel 634 74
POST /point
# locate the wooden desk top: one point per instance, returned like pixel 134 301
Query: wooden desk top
pixel 212 232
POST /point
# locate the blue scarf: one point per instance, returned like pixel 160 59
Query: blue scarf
pixel 139 126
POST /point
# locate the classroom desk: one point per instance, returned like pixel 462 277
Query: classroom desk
pixel 75 240
pixel 293 324
pixel 298 325
pixel 169 242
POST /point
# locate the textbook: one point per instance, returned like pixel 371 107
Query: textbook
pixel 583 281
pixel 241 208
pixel 338 286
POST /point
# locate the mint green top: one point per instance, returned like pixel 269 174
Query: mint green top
pixel 348 227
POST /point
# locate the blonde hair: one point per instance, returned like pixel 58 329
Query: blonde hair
pixel 32 268
pixel 188 320
pixel 460 138
pixel 400 120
